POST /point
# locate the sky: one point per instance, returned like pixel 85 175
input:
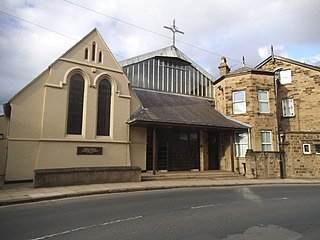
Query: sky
pixel 34 33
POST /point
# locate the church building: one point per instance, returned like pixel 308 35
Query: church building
pixel 89 119
pixel 83 111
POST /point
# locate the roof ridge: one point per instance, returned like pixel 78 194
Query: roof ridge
pixel 165 52
pixel 288 60
pixel 171 93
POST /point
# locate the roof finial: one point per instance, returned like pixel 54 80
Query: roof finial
pixel 243 62
pixel 272 54
pixel 174 29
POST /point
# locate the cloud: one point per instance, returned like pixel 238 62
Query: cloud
pixel 265 51
pixel 232 28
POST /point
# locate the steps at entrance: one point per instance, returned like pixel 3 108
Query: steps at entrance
pixel 217 174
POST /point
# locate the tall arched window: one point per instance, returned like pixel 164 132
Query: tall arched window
pixel 104 103
pixel 75 107
pixel 86 54
pixel 93 51
pixel 100 57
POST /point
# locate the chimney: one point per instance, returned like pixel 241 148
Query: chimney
pixel 223 67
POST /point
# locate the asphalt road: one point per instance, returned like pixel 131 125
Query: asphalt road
pixel 257 212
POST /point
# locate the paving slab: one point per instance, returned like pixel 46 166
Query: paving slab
pixel 24 193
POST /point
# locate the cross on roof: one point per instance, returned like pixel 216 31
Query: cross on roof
pixel 174 29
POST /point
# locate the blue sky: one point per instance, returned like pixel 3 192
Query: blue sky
pixel 34 33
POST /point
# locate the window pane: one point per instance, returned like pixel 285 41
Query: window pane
pixel 239 107
pixel 266 147
pixel 238 96
pixel 268 137
pixel 242 138
pixel 263 107
pixel 317 148
pixel 263 96
pixel 75 106
pixel 241 144
pixel 103 116
pixel 263 137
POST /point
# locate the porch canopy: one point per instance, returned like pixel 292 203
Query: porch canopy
pixel 179 128
pixel 162 108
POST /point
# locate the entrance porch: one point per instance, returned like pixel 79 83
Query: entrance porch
pixel 187 149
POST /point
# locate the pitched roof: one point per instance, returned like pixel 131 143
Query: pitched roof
pixel 178 109
pixel 289 61
pixel 168 52
pixel 242 71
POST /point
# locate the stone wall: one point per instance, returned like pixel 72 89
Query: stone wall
pixel 262 164
pixel 251 83
pixel 79 176
pixel 299 164
pixel 304 90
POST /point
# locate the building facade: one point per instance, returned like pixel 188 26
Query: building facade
pixel 183 131
pixel 162 112
pixel 80 103
pixel 279 99
pixel 298 87
pixel 83 113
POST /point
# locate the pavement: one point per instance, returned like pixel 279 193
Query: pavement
pixel 16 193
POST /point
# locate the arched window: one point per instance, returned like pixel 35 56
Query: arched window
pixel 93 51
pixel 75 107
pixel 86 54
pixel 104 103
pixel 100 57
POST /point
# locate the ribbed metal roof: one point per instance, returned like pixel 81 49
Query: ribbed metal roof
pixel 168 52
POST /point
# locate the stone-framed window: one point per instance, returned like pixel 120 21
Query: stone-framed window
pixel 317 147
pixel 75 105
pixel 104 106
pixel 239 102
pixel 266 141
pixel 93 57
pixel 306 148
pixel 241 142
pixel 288 108
pixel 263 99
pixel 86 54
pixel 100 57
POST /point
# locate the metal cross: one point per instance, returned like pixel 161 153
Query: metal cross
pixel 174 29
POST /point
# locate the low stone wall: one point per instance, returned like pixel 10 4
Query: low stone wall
pixel 298 163
pixel 262 164
pixel 91 175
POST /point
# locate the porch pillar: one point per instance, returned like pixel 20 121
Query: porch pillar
pixel 154 151
pixel 233 152
pixel 204 160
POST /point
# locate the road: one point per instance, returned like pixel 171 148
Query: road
pixel 228 213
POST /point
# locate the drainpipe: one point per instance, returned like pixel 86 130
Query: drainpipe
pixel 281 151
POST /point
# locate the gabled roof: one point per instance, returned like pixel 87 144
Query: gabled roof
pixel 95 33
pixel 177 109
pixel 289 61
pixel 167 52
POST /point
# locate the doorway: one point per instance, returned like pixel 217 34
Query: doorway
pixel 213 151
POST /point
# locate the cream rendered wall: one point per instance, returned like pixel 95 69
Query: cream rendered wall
pixel 138 147
pixel 3 144
pixel 57 149
pixel 25 130
pixel 38 138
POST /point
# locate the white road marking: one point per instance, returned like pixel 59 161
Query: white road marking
pixel 206 206
pixel 86 227
pixel 220 204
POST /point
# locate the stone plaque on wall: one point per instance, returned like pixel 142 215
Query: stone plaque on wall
pixel 89 150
